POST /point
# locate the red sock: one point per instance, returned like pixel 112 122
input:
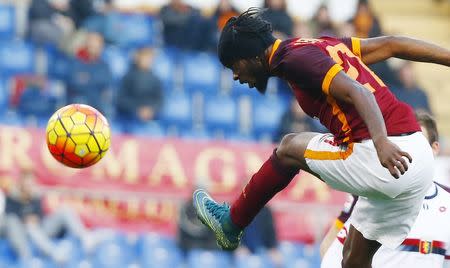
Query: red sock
pixel 271 178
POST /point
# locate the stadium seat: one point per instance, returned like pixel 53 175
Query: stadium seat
pixel 83 263
pixel 161 257
pixel 58 64
pixel 16 57
pixel 299 263
pixel 196 134
pixel 7 255
pixel 254 261
pixel 177 111
pixel 118 61
pixel 267 112
pixel 164 67
pixel 7 22
pixel 153 129
pixel 201 72
pixel 220 114
pixel 4 96
pixel 153 240
pixel 111 254
pixel 132 30
pixel 291 250
pixel 207 258
pixel 36 262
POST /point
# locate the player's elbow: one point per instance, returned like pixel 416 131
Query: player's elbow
pixel 392 44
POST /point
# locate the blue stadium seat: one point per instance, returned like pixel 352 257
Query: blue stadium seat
pixel 299 263
pixel 7 22
pixel 7 254
pixel 238 137
pixel 112 254
pixel 58 64
pixel 161 257
pixel 153 240
pixel 164 67
pixel 82 263
pixel 196 134
pixel 290 250
pixel 132 30
pixel 153 129
pixel 267 112
pixel 201 72
pixel 16 57
pixel 254 261
pixel 4 96
pixel 208 258
pixel 118 61
pixel 220 114
pixel 36 262
pixel 11 118
pixel 177 111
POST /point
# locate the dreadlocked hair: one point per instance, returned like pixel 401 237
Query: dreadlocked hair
pixel 251 22
pixel 245 36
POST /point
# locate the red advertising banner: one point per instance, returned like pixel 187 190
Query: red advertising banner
pixel 142 181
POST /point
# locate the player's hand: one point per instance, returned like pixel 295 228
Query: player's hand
pixel 392 157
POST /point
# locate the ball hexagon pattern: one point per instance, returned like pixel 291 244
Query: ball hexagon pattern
pixel 78 135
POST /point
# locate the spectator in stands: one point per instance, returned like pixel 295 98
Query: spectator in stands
pixel 321 24
pixel 89 13
pixel 224 11
pixel 409 91
pixel 28 89
pixel 140 96
pixel 276 13
pixel 48 22
pixel 184 27
pixel 24 217
pixel 365 21
pixel 89 78
pixel 261 237
pixel 192 233
pixel 294 120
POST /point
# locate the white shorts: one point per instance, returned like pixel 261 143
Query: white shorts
pixel 387 207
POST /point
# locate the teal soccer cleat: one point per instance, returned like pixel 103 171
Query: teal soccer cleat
pixel 217 218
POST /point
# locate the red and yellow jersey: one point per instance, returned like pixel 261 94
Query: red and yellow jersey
pixel 309 66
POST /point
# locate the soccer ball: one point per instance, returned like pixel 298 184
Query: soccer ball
pixel 78 135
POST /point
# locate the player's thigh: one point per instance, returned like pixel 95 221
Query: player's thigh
pixel 292 147
pixel 358 251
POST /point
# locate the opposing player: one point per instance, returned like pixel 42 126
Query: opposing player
pixel 428 243
pixel 373 135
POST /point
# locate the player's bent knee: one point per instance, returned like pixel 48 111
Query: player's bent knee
pixel 287 146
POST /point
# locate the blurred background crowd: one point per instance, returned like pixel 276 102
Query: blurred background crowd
pixel 151 68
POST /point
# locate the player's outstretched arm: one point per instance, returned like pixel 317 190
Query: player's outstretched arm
pixel 348 90
pixel 381 48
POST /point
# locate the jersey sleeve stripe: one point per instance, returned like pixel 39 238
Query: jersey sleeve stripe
pixel 356 46
pixel 332 72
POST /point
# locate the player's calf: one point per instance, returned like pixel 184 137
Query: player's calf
pixel 358 251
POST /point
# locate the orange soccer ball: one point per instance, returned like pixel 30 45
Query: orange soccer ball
pixel 78 135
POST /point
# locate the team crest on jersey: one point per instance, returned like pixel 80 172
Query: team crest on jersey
pixel 425 247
